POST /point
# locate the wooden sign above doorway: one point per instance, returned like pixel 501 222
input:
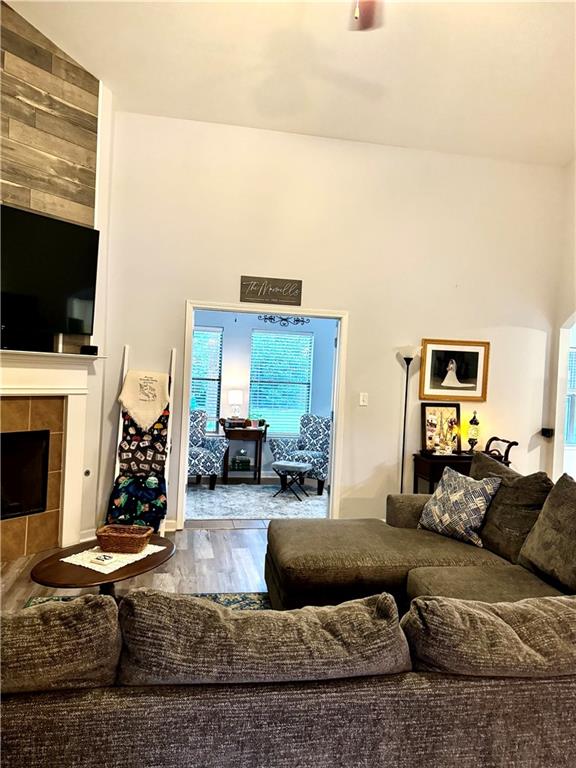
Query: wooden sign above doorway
pixel 270 290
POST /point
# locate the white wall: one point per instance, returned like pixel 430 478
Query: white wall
pixel 413 244
pixel 94 484
pixel 566 305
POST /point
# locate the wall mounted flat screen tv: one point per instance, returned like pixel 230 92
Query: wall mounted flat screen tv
pixel 48 278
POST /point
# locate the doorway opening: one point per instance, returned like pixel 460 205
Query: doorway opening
pixel 564 452
pixel 569 454
pixel 260 430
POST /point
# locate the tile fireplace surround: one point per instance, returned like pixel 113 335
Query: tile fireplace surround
pixel 29 534
pixel 47 391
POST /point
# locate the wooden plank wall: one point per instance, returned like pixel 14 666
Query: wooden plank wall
pixel 49 108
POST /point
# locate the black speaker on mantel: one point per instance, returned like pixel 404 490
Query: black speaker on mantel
pixel 87 349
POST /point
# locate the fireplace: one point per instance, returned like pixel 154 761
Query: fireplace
pixel 40 391
pixel 24 466
pixel 33 445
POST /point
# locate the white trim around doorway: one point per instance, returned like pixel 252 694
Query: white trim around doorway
pixel 337 394
pixel 559 448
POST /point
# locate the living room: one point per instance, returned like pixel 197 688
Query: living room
pixel 416 176
pixel 391 239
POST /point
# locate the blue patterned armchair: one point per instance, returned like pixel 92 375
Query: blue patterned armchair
pixel 311 446
pixel 205 454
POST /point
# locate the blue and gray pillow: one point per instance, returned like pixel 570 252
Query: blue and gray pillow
pixel 458 506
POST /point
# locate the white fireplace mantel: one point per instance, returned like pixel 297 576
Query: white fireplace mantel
pixel 43 373
pixel 46 374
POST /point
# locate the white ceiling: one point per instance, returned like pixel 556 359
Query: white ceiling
pixel 490 78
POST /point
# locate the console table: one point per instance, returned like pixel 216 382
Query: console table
pixel 429 467
pixel 255 435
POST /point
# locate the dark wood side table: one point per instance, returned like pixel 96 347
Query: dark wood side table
pixel 256 435
pixel 429 467
pixel 51 572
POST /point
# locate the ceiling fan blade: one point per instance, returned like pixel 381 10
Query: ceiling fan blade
pixel 366 14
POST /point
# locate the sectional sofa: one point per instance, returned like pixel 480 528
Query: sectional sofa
pixel 479 671
pixel 324 562
pixel 172 681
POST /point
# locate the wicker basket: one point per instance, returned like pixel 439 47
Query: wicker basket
pixel 127 539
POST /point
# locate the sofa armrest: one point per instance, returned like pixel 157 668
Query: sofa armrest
pixel 404 510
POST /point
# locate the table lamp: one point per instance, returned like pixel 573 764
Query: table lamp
pixel 235 399
pixel 473 432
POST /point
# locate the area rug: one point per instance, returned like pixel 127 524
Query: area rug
pixel 251 502
pixel 246 601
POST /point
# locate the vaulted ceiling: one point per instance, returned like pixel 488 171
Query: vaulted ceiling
pixel 488 78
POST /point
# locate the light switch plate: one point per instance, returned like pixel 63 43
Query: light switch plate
pixel 363 398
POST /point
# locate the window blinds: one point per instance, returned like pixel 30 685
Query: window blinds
pixel 280 379
pixel 570 427
pixel 207 374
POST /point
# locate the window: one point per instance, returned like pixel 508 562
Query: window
pixel 570 427
pixel 280 379
pixel 207 374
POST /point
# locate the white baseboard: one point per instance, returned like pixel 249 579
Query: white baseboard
pixel 170 526
pixel 86 534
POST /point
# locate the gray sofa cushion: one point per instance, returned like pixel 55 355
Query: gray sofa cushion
pixel 413 720
pixel 403 510
pixel 513 512
pixel 309 554
pixel 551 544
pixel 530 638
pixel 492 584
pixel 72 644
pixel 177 639
pixel 514 508
pixel 484 466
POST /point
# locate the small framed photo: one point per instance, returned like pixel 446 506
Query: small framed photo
pixel 441 428
pixel 454 370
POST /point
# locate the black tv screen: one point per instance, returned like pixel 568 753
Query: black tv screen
pixel 48 278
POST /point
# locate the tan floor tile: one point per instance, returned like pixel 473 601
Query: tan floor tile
pixel 209 524
pixel 43 531
pixel 12 538
pixel 14 414
pixel 54 486
pixel 47 413
pixel 55 454
pixel 249 524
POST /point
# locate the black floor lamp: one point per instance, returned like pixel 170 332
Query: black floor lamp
pixel 407 354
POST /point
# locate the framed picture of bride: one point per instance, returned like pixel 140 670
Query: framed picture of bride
pixel 454 370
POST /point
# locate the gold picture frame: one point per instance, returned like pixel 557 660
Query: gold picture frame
pixel 454 370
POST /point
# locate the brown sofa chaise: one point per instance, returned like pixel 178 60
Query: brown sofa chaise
pixel 506 698
pixel 323 562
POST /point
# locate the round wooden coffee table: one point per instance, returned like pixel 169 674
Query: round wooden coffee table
pixel 52 572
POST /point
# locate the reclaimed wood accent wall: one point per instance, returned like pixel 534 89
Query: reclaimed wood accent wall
pixel 49 125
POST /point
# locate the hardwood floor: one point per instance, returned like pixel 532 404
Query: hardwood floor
pixel 227 556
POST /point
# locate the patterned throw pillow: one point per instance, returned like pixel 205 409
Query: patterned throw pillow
pixel 458 506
